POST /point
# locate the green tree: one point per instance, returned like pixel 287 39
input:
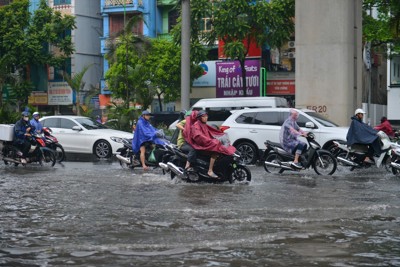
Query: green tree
pixel 163 66
pixel 382 30
pixel 236 21
pixel 77 84
pixel 25 38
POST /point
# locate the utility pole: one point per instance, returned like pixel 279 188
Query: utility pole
pixel 185 55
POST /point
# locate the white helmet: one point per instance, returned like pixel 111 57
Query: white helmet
pixel 35 114
pixel 359 110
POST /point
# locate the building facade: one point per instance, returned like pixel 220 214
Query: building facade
pixel 87 53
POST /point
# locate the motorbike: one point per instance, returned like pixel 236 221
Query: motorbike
pixel 395 158
pixel 154 154
pixel 278 160
pixel 354 156
pixel 52 143
pixel 38 152
pixel 226 167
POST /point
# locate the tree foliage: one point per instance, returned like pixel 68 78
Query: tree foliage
pixel 381 24
pixel 235 21
pixel 25 39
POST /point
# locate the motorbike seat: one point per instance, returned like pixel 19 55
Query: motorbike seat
pixel 273 144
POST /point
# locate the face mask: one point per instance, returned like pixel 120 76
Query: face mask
pixel 26 118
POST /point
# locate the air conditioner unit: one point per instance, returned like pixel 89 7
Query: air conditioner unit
pixel 291 44
pixel 291 55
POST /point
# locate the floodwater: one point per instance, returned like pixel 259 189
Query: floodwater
pixel 97 214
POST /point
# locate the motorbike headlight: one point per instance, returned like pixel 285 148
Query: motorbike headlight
pixel 117 139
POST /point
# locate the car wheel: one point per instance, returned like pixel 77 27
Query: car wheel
pixel 248 153
pixel 102 149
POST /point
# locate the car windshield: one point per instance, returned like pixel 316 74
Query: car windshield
pixel 321 119
pixel 91 124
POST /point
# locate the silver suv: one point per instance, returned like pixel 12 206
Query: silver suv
pixel 248 129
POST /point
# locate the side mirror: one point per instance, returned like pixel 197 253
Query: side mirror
pixel 76 128
pixel 310 124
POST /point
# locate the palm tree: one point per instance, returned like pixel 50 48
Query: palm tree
pixel 77 84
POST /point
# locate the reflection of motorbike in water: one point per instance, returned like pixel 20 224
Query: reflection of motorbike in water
pixel 38 152
pixel 354 156
pixel 52 142
pixel 154 154
pixel 227 167
pixel 278 160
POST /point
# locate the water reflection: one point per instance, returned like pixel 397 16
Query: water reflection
pixel 97 214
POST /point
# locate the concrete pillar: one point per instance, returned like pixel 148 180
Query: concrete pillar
pixel 329 57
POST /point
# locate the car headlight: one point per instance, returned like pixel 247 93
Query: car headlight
pixel 117 139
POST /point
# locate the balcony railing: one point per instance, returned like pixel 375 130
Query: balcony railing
pixel 123 2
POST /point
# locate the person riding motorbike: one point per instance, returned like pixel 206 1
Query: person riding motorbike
pixel 37 126
pixel 181 142
pixel 144 133
pixel 22 130
pixel 289 132
pixel 385 127
pixel 204 138
pixel 361 133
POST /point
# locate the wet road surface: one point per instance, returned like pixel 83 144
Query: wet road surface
pixel 97 214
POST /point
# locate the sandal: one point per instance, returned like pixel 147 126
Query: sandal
pixel 212 175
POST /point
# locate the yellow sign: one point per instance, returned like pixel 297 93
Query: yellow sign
pixel 38 98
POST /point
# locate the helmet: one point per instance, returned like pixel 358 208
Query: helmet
pixel 201 113
pixel 25 114
pixel 359 110
pixel 35 114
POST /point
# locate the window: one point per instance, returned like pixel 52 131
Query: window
pixel 67 124
pixel 218 114
pixel 245 118
pixel 51 122
pixel 62 2
pixel 267 118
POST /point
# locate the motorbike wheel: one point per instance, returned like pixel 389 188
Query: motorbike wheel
pixel 60 153
pixel 395 171
pixel 192 176
pixel 273 158
pixel 240 174
pixel 386 163
pixel 324 163
pixel 9 152
pixel 48 158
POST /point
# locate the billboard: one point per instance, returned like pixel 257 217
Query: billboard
pixel 208 77
pixel 229 81
pixel 59 93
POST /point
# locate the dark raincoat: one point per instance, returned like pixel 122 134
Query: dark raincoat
pixel 360 133
pixel 144 132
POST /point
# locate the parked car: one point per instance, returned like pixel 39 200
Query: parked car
pixel 219 109
pixel 79 134
pixel 248 129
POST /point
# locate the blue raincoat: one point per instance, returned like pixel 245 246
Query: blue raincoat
pixel 144 132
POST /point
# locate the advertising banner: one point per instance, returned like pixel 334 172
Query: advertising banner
pixel 59 93
pixel 281 83
pixel 229 82
pixel 208 77
pixel 37 98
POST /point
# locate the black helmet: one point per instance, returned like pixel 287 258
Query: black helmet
pixel 201 113
pixel 25 114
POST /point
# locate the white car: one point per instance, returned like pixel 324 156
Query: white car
pixel 248 129
pixel 83 135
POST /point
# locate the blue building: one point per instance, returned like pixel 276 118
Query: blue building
pixel 159 17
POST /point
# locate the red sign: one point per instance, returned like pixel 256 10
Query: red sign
pixel 254 50
pixel 281 87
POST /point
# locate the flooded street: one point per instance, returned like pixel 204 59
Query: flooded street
pixel 98 214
